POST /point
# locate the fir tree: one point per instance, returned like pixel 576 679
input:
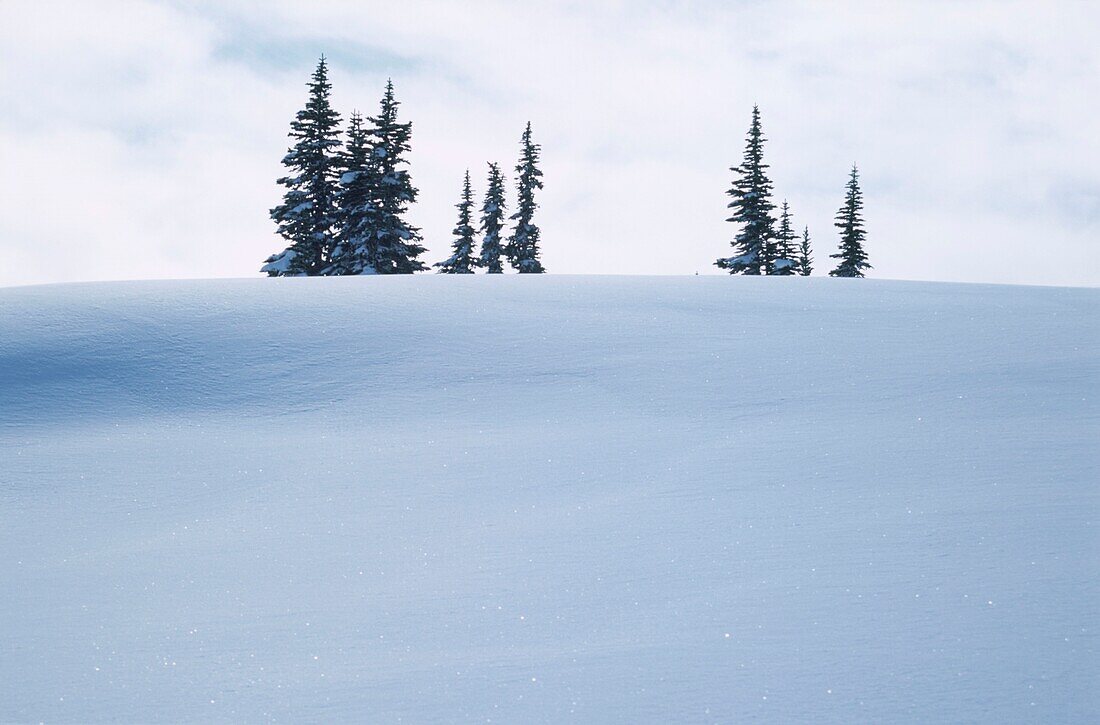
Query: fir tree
pixel 353 253
pixel 849 220
pixel 523 248
pixel 396 243
pixel 751 192
pixel 462 261
pixel 805 258
pixel 492 222
pixel 307 216
pixel 785 261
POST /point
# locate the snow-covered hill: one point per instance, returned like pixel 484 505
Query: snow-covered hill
pixel 701 499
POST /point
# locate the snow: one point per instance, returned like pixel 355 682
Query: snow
pixel 745 260
pixel 547 498
pixel 279 263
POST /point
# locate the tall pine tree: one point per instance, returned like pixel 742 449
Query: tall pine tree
pixel 849 220
pixel 462 261
pixel 307 217
pixel 785 262
pixel 751 192
pixel 523 248
pixel 396 244
pixel 355 228
pixel 805 254
pixel 492 222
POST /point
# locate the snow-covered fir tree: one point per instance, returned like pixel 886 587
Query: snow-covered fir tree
pixel 307 217
pixel 523 248
pixel 462 260
pixel 492 223
pixel 785 262
pixel 353 252
pixel 752 209
pixel 396 243
pixel 849 220
pixel 805 254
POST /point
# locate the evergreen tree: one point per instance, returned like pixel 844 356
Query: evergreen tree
pixel 785 261
pixel 805 258
pixel 396 243
pixel 307 216
pixel 523 248
pixel 849 220
pixel 751 192
pixel 492 222
pixel 462 261
pixel 353 253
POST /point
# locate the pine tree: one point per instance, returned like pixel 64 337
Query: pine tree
pixel 805 258
pixel 751 192
pixel 353 253
pixel 492 222
pixel 307 216
pixel 523 248
pixel 396 243
pixel 462 261
pixel 785 261
pixel 849 220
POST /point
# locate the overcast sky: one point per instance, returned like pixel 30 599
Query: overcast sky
pixel 143 139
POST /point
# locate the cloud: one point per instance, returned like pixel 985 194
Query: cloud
pixel 143 139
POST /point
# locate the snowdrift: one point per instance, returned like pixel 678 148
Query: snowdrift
pixel 505 499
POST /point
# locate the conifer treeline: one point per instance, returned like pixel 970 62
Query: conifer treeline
pixel 760 247
pixel 343 211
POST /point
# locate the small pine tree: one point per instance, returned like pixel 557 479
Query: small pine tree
pixel 785 261
pixel 492 222
pixel 849 220
pixel 752 206
pixel 307 217
pixel 396 244
pixel 462 261
pixel 523 248
pixel 353 253
pixel 805 254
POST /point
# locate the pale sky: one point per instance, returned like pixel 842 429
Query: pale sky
pixel 142 139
